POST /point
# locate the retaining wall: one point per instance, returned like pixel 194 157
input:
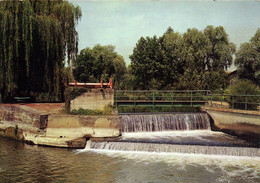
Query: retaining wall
pixel 94 99
pixel 238 122
pixel 29 125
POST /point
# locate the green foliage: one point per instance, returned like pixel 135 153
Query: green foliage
pixel 147 62
pixel 188 61
pixel 107 111
pixel 71 93
pixel 86 112
pixel 237 92
pixel 35 36
pixel 138 109
pixel 248 59
pixel 99 63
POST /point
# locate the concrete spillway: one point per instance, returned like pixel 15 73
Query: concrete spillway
pixel 175 133
pixel 164 122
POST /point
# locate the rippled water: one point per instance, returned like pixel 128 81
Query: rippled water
pixel 25 163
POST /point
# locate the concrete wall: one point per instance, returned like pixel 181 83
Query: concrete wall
pixel 94 99
pixel 20 113
pixel 26 124
pixel 239 122
pixel 83 126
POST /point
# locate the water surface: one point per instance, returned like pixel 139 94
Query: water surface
pixel 25 163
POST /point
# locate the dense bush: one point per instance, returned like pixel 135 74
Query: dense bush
pixel 237 92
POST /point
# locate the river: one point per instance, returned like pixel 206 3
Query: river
pixel 153 149
pixel 27 163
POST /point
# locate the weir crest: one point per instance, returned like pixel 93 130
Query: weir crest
pixel 174 133
pixel 165 122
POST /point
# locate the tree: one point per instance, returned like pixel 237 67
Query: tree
pixel 248 59
pixel 173 54
pixel 35 37
pixel 147 62
pixel 120 72
pixel 220 50
pixel 99 63
pixel 187 61
pixel 195 49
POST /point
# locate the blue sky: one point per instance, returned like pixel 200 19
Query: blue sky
pixel 122 23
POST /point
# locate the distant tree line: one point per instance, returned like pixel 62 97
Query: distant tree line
pixel 38 38
pixel 35 37
pixel 192 60
pixel 182 61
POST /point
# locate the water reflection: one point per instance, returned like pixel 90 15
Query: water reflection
pixel 25 163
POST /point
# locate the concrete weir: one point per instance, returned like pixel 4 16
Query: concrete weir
pixel 29 125
pixel 237 122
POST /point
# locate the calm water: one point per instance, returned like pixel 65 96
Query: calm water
pixel 25 163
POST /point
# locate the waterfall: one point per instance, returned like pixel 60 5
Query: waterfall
pixel 175 148
pixel 174 133
pixel 164 122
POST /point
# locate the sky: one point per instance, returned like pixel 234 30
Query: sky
pixel 122 22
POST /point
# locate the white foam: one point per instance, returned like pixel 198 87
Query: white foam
pixel 231 166
pixel 171 134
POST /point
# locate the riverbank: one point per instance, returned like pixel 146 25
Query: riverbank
pixel 44 124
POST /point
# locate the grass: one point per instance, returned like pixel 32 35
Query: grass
pixel 108 110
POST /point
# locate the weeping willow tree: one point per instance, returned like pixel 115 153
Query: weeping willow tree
pixel 36 37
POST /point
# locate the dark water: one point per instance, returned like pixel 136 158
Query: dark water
pixel 25 163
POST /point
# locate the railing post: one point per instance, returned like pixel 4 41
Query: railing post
pixel 232 102
pixel 191 98
pixel 211 101
pixel 115 96
pixel 172 97
pixel 134 99
pixel 246 104
pixel 221 100
pixel 153 100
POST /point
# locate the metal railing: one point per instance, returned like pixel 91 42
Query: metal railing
pixel 160 95
pixel 179 98
pixel 244 102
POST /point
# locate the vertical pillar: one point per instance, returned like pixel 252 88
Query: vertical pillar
pixel 153 102
pixel 191 98
pixel 246 104
pixel 232 102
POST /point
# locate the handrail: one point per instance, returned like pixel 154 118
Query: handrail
pixel 247 102
pixel 160 91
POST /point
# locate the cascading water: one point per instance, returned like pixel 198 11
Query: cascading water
pixel 178 133
pixel 192 149
pixel 164 122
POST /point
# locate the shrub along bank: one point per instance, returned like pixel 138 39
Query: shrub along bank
pixel 238 92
